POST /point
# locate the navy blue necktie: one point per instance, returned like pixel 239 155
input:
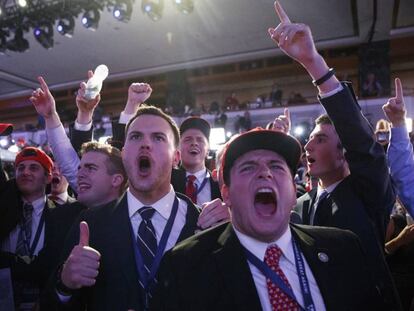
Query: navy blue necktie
pixel 147 239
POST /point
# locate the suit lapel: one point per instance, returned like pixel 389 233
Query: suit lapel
pixel 322 271
pixel 307 206
pixel 121 239
pixel 234 269
pixel 191 218
pixel 49 205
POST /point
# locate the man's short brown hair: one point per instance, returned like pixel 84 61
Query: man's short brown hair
pixel 113 163
pixel 325 120
pixel 155 111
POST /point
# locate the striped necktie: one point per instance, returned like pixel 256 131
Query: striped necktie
pixel 25 234
pixel 147 239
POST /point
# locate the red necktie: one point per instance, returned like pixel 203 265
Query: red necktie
pixel 278 299
pixel 191 189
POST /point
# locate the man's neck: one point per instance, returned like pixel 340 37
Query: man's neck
pixel 333 177
pixel 32 197
pixel 194 169
pixel 150 197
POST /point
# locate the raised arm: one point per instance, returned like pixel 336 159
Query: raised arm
pixel 400 150
pixel 64 154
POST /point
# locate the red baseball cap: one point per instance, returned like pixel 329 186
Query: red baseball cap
pixel 35 154
pixel 6 129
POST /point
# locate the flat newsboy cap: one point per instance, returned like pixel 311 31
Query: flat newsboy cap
pixel 283 144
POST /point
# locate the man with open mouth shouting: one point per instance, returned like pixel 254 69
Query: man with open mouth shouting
pixel 259 261
pixel 114 254
pixel 193 178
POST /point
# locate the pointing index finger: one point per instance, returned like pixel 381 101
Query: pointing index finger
pixel 43 84
pixel 398 90
pixel 284 18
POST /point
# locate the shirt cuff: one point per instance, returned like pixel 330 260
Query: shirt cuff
pixel 399 133
pixel 63 298
pixel 125 117
pixel 331 93
pixel 83 127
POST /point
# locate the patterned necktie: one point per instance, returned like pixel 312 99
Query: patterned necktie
pixel 147 239
pixel 25 234
pixel 278 299
pixel 191 189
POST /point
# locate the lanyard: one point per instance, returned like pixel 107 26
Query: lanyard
pixel 203 184
pixel 159 253
pixel 275 278
pixel 39 229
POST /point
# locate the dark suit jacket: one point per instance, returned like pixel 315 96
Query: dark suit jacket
pixel 58 221
pixel 209 271
pixel 117 286
pixel 362 202
pixel 179 180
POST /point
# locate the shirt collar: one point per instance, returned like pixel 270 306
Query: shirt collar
pixel 200 175
pixel 163 206
pixel 258 248
pixel 38 205
pixel 328 189
pixel 63 197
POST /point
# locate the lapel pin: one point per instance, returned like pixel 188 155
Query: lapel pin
pixel 323 257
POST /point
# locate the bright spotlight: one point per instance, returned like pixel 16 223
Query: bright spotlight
pixel 184 6
pixel 22 3
pixel 91 19
pixel 44 35
pixel 123 10
pixel 217 137
pixel 229 134
pixel 299 130
pixel 153 8
pixel 4 142
pixel 66 26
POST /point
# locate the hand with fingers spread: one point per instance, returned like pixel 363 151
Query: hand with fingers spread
pixel 86 107
pixel 213 213
pixel 81 267
pixel 138 93
pixel 293 39
pixel 394 109
pixel 282 122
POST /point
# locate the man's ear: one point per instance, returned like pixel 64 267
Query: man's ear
pixel 214 175
pixel 48 178
pixel 117 180
pixel 177 158
pixel 225 195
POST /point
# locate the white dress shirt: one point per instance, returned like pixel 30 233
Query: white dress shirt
pixel 288 266
pixel 65 156
pixel 163 209
pixel 205 194
pixel 10 243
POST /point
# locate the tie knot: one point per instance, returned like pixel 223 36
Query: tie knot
pixel 191 178
pixel 146 212
pixel 273 254
pixel 323 195
pixel 27 210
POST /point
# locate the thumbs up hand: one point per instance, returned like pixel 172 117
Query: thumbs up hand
pixel 81 267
